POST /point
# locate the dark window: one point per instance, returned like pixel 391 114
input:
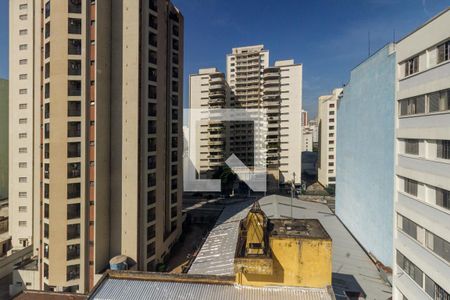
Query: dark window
pixel 46 190
pixel 153 5
pixel 434 290
pixel 74 88
pixel 74 67
pixel 151 127
pixel 74 47
pixel 150 250
pixel 73 211
pixel 175 72
pixel 46 171
pixel 46 211
pixel 73 231
pixel 73 190
pixel 438 245
pixel 73 272
pixel 47 130
pixel 73 129
pixel 74 149
pixel 47 90
pixel 174 114
pixel 152 109
pixel 175 30
pixel 174 156
pixel 152 21
pixel 74 26
pixel 174 142
pixel 151 144
pixel 73 170
pixel 443 149
pixel 47 30
pixel 46 150
pixel 74 6
pixel 151 215
pixel 411 269
pixel 46 230
pixel 45 270
pixel 443 198
pixel 47 110
pixel 174 128
pixel 47 50
pixel 175 44
pixel 412 147
pixel 152 74
pixel 174 100
pixel 175 59
pixel 151 179
pixel 152 39
pixel 173 212
pixel 73 252
pixel 150 232
pixel 174 86
pixel 173 198
pixel 174 184
pixel 412 106
pixel 443 52
pixel 47 70
pixel 151 162
pixel 152 57
pixel 46 250
pixel 74 108
pixel 410 186
pixel 151 197
pixel 439 101
pixel 152 92
pixel 173 226
pixel 409 227
pixel 47 9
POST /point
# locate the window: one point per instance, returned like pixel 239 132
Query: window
pixel 47 9
pixel 443 198
pixel 151 215
pixel 22 179
pixel 152 56
pixel 151 197
pixel 438 245
pixel 173 198
pixel 411 269
pixel 74 26
pixel 175 30
pixel 175 72
pixel 152 74
pixel 434 290
pixel 152 109
pixel 46 230
pixel 23 76
pixel 173 211
pixel 443 52
pixel 46 171
pixel 73 272
pixel 46 150
pixel 152 21
pixel 23 91
pixel 23 61
pixel 412 147
pixel 73 170
pixel 151 145
pixel 439 101
pixel 152 92
pixel 174 184
pixel 46 191
pixel 409 227
pixel 151 179
pixel 175 44
pixel 73 252
pixel 23 47
pixel 412 66
pixel 73 211
pixel 45 270
pixel 151 162
pixel 22 223
pixel 73 190
pixel 74 88
pixel 152 39
pixel 47 70
pixel 23 150
pixel 412 106
pixel 150 250
pixel 46 250
pixel 410 186
pixel 23 6
pixel 23 32
pixel 22 209
pixel 73 231
pixel 74 6
pixel 23 17
pixel 74 129
pixel 22 135
pixel 151 127
pixel 46 210
pixel 150 232
pixel 47 90
pixel 443 149
pixel 23 121
pixel 74 149
pixel 74 47
pixel 47 30
pixel 174 86
pixel 47 130
pixel 74 67
pixel 47 50
pixel 153 5
pixel 74 108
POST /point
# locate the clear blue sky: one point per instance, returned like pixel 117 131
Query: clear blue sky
pixel 329 37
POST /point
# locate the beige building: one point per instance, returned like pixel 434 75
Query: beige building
pixel 326 115
pixel 104 167
pixel 252 84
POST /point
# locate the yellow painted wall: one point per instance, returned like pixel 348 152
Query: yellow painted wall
pixel 296 262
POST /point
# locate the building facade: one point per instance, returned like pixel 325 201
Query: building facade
pixel 422 198
pixel 4 139
pixel 252 84
pixel 105 128
pixel 307 144
pixel 326 115
pixel 365 154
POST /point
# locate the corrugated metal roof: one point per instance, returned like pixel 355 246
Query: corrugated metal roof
pixel 352 268
pixel 124 289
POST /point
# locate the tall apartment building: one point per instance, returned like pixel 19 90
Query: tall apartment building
pixel 208 91
pixel 327 106
pixel 307 143
pixel 103 101
pixel 422 200
pixel 21 122
pixel 4 139
pixel 304 118
pixel 278 89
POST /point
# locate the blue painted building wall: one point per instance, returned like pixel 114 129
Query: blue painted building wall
pixel 365 154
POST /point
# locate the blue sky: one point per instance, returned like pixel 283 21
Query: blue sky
pixel 329 37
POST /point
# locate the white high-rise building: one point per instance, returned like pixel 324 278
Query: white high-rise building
pixel 327 137
pixel 422 200
pixel 251 84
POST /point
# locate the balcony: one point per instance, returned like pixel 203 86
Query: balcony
pixel 73 252
pixel 73 170
pixel 219 86
pixel 73 231
pixel 74 47
pixel 218 79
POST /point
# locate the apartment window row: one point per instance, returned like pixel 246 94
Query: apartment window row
pixel 425 282
pixel 433 102
pixel 443 52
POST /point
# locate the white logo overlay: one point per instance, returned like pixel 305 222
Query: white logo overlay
pixel 254 177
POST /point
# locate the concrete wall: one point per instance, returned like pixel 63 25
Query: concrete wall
pixel 3 139
pixel 365 154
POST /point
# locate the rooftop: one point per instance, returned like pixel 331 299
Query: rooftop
pixel 353 270
pixel 304 228
pixel 127 285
